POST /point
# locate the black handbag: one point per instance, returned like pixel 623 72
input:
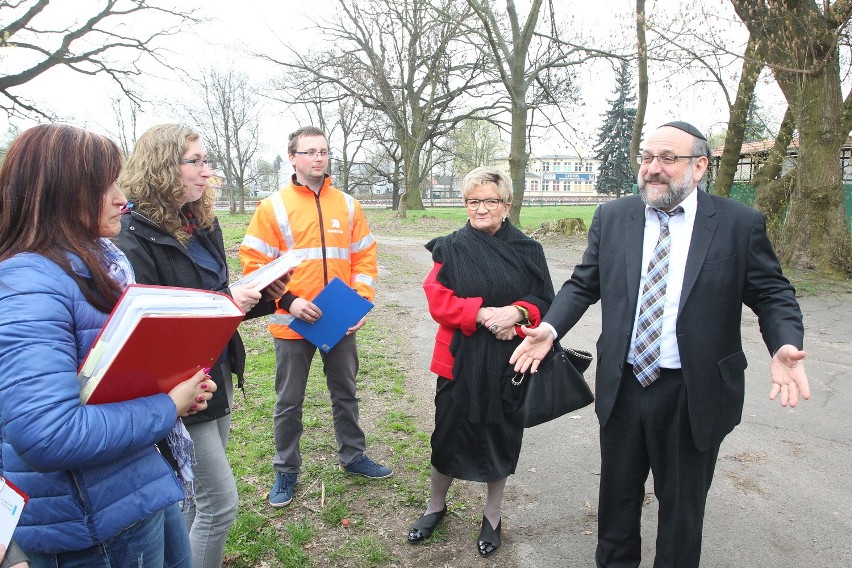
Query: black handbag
pixel 556 388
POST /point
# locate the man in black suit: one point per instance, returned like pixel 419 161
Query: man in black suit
pixel 691 370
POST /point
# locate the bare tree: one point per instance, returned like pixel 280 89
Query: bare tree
pixel 474 143
pixel 404 60
pixel 126 113
pixel 772 190
pixel 528 62
pixel 642 84
pixel 738 116
pixel 93 45
pixel 386 161
pixel 230 125
pixel 799 43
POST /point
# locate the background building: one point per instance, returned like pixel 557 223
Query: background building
pixel 557 178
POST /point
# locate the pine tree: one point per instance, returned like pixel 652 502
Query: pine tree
pixel 615 174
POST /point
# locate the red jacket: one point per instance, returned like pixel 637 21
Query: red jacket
pixel 452 313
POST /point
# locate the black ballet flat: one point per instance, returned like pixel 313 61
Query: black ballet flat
pixel 425 526
pixel 489 538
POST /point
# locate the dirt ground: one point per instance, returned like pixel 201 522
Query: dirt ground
pixel 781 493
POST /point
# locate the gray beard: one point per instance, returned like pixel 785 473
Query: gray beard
pixel 677 192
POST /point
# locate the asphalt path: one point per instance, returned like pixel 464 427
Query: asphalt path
pixel 782 492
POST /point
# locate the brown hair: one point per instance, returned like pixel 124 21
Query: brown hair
pixel 151 180
pixel 52 186
pixel 293 140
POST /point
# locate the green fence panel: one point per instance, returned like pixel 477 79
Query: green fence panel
pixel 847 199
pixel 744 193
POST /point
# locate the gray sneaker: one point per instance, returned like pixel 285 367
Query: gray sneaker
pixel 282 492
pixel 366 467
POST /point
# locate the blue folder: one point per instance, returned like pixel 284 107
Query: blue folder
pixel 342 307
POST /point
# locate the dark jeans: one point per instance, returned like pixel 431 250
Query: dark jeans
pixel 159 541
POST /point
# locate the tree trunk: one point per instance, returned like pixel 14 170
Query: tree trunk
pixel 232 203
pixel 737 121
pixel 815 234
pixel 642 84
pixel 395 186
pixel 801 48
pixel 411 173
pixel 772 194
pixel 518 158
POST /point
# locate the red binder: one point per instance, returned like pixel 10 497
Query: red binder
pixel 155 338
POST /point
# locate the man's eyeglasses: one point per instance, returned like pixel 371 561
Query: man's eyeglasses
pixel 197 162
pixel 490 204
pixel 315 153
pixel 667 159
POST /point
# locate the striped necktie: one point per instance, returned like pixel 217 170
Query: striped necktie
pixel 646 359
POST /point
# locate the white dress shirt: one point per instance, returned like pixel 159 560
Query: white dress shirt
pixel 680 228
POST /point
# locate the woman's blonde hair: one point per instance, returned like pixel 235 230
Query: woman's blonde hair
pixel 151 180
pixel 486 174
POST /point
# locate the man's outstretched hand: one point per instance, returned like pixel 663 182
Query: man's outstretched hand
pixel 535 346
pixel 788 376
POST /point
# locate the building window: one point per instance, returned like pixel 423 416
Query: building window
pixel 545 185
pixel 534 185
pixel 545 166
pixel 588 167
pixel 578 166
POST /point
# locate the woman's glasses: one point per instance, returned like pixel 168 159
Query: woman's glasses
pixel 197 162
pixel 490 204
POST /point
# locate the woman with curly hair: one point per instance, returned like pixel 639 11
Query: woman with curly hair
pixel 172 238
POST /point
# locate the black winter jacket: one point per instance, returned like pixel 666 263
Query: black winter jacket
pixel 159 258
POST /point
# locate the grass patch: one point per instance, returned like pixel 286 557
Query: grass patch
pixel 309 532
pixel 435 221
pixel 810 283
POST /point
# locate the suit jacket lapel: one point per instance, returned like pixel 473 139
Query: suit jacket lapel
pixel 702 235
pixel 635 235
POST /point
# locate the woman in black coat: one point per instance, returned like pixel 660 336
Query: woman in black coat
pixel 172 237
pixel 488 278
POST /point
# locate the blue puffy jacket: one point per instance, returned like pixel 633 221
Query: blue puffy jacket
pixel 90 471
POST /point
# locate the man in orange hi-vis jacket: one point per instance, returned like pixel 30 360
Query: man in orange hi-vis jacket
pixel 328 228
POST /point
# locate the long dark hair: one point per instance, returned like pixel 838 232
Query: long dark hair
pixel 52 187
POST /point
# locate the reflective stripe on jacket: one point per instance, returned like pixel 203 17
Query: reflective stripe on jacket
pixel 328 228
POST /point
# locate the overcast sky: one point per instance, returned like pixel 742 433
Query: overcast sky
pixel 257 24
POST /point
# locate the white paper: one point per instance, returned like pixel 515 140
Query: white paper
pixel 269 273
pixel 11 504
